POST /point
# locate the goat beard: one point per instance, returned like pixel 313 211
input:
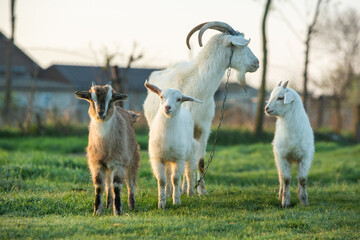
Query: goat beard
pixel 241 79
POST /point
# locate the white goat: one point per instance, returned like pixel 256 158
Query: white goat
pixel 172 147
pixel 201 78
pixel 112 152
pixel 293 140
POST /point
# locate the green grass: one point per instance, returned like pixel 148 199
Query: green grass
pixel 46 192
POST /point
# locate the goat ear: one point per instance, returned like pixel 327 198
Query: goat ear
pixel 152 88
pixel 239 41
pixel 83 95
pixel 119 97
pixel 134 116
pixel 289 97
pixel 187 98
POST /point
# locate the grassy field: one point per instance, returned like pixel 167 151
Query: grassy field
pixel 46 192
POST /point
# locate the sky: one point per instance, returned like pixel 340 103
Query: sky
pixel 82 32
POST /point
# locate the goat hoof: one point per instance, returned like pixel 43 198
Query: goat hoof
pixel 202 191
pixel 97 213
pixel 132 202
pixel 162 205
pixel 116 213
pixel 109 204
pixel 304 203
pixel 285 204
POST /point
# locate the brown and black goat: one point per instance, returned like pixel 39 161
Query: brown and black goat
pixel 112 152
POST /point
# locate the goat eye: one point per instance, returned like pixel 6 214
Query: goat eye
pixel 178 100
pixel 280 98
pixel 162 98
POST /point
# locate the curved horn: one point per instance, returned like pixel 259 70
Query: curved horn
pixel 192 32
pixel 220 26
pixel 285 84
pixel 279 84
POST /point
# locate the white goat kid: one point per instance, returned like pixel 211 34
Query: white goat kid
pixel 293 140
pixel 172 147
pixel 201 78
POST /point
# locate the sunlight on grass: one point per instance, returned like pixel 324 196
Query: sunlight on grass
pixel 46 192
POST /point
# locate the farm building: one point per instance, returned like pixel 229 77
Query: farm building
pixel 81 78
pixel 238 97
pixel 28 90
pixel 45 92
pixel 52 90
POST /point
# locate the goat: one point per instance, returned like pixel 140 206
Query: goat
pixel 171 143
pixel 112 151
pixel 201 78
pixel 293 140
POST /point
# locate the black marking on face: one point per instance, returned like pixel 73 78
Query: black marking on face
pixel 102 99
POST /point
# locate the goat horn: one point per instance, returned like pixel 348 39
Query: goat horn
pixel 279 84
pixel 220 26
pixel 192 32
pixel 285 84
pixel 92 84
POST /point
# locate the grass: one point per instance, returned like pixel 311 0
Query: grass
pixel 46 192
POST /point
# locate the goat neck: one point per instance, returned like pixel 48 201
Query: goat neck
pixel 293 119
pixel 101 128
pixel 212 63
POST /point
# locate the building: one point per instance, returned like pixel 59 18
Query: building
pixel 81 78
pixel 29 92
pixel 237 96
pixel 52 90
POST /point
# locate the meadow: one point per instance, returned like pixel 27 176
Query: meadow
pixel 46 192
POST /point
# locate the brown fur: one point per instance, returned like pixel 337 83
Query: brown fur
pixel 117 153
pixel 112 152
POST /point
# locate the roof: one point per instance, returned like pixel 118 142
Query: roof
pixel 19 57
pixel 81 77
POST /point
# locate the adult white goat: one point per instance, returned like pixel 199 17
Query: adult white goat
pixel 293 140
pixel 201 78
pixel 172 147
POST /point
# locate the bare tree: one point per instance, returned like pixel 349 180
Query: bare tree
pixel 261 97
pixel 8 65
pixel 30 109
pixel 310 32
pixel 340 33
pixel 310 18
pixel 335 84
pixel 354 93
pixel 120 78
